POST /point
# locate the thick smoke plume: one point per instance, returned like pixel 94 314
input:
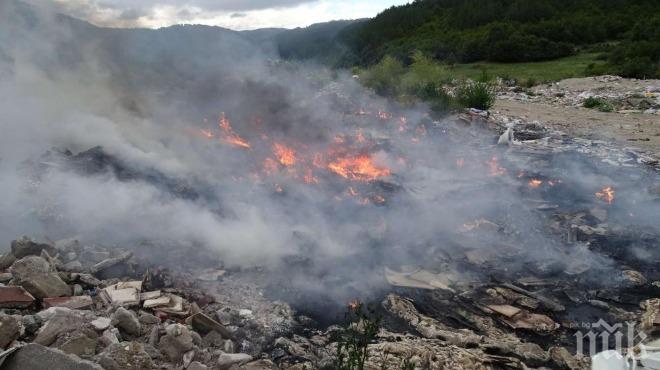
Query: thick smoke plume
pixel 155 101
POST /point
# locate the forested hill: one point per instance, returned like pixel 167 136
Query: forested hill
pixel 498 30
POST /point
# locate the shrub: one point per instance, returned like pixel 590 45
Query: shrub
pixel 598 103
pixel 352 345
pixel 477 95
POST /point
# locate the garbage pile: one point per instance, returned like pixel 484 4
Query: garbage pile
pixel 622 95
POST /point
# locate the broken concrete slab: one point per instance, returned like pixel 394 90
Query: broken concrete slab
pixel 26 247
pixel 79 343
pixel 227 360
pixel 145 296
pixel 109 263
pixel 37 357
pixel 419 279
pixel 9 330
pixel 6 260
pixel 120 297
pixel 126 321
pixel 36 275
pixel 204 324
pixel 176 342
pixel 63 320
pixel 15 297
pixel 74 303
pixel 162 301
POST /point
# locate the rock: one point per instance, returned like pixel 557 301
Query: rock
pixel 126 321
pixel 5 277
pixel 35 275
pixel 79 343
pixel 195 365
pixel 154 336
pixel 31 323
pixel 25 247
pixel 101 324
pixel 109 337
pixel 74 303
pixel 62 321
pixel 176 342
pixel 37 357
pixel 126 356
pixel 148 319
pixel 6 261
pixel 15 297
pixel 9 330
pixel 227 360
pixel 152 351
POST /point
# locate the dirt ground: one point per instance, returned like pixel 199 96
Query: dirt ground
pixel 628 129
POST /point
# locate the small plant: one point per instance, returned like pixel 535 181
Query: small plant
pixel 362 328
pixel 598 103
pixel 477 95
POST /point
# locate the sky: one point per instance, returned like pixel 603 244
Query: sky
pixel 234 14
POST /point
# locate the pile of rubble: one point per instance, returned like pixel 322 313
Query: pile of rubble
pixel 80 307
pixel 625 95
pixel 69 306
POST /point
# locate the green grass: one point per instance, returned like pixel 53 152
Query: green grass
pixel 554 70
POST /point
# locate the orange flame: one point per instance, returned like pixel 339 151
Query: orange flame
pixel 229 136
pixel 285 155
pixel 606 195
pixel 359 168
pixel 535 183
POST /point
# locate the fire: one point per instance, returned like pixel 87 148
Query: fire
pixel 606 195
pixel 360 168
pixel 285 155
pixel 207 133
pixel 354 305
pixel 535 183
pixel 229 136
pixel 495 169
pixel 384 115
pixel 379 199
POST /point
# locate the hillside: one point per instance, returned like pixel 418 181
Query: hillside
pixel 466 31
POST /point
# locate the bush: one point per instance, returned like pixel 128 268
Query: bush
pixel 598 103
pixel 477 95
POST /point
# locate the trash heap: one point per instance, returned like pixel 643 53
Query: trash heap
pixel 624 95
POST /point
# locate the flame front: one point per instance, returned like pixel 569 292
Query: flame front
pixel 229 136
pixel 285 155
pixel 360 168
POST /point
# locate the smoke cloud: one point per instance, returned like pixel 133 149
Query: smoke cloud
pixel 147 98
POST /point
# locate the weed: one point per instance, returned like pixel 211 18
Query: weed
pixel 352 349
pixel 478 95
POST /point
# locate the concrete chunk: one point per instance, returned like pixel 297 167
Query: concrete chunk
pixel 37 357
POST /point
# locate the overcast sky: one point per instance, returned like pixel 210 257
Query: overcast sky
pixel 235 14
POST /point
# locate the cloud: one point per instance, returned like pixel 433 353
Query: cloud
pixel 235 14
